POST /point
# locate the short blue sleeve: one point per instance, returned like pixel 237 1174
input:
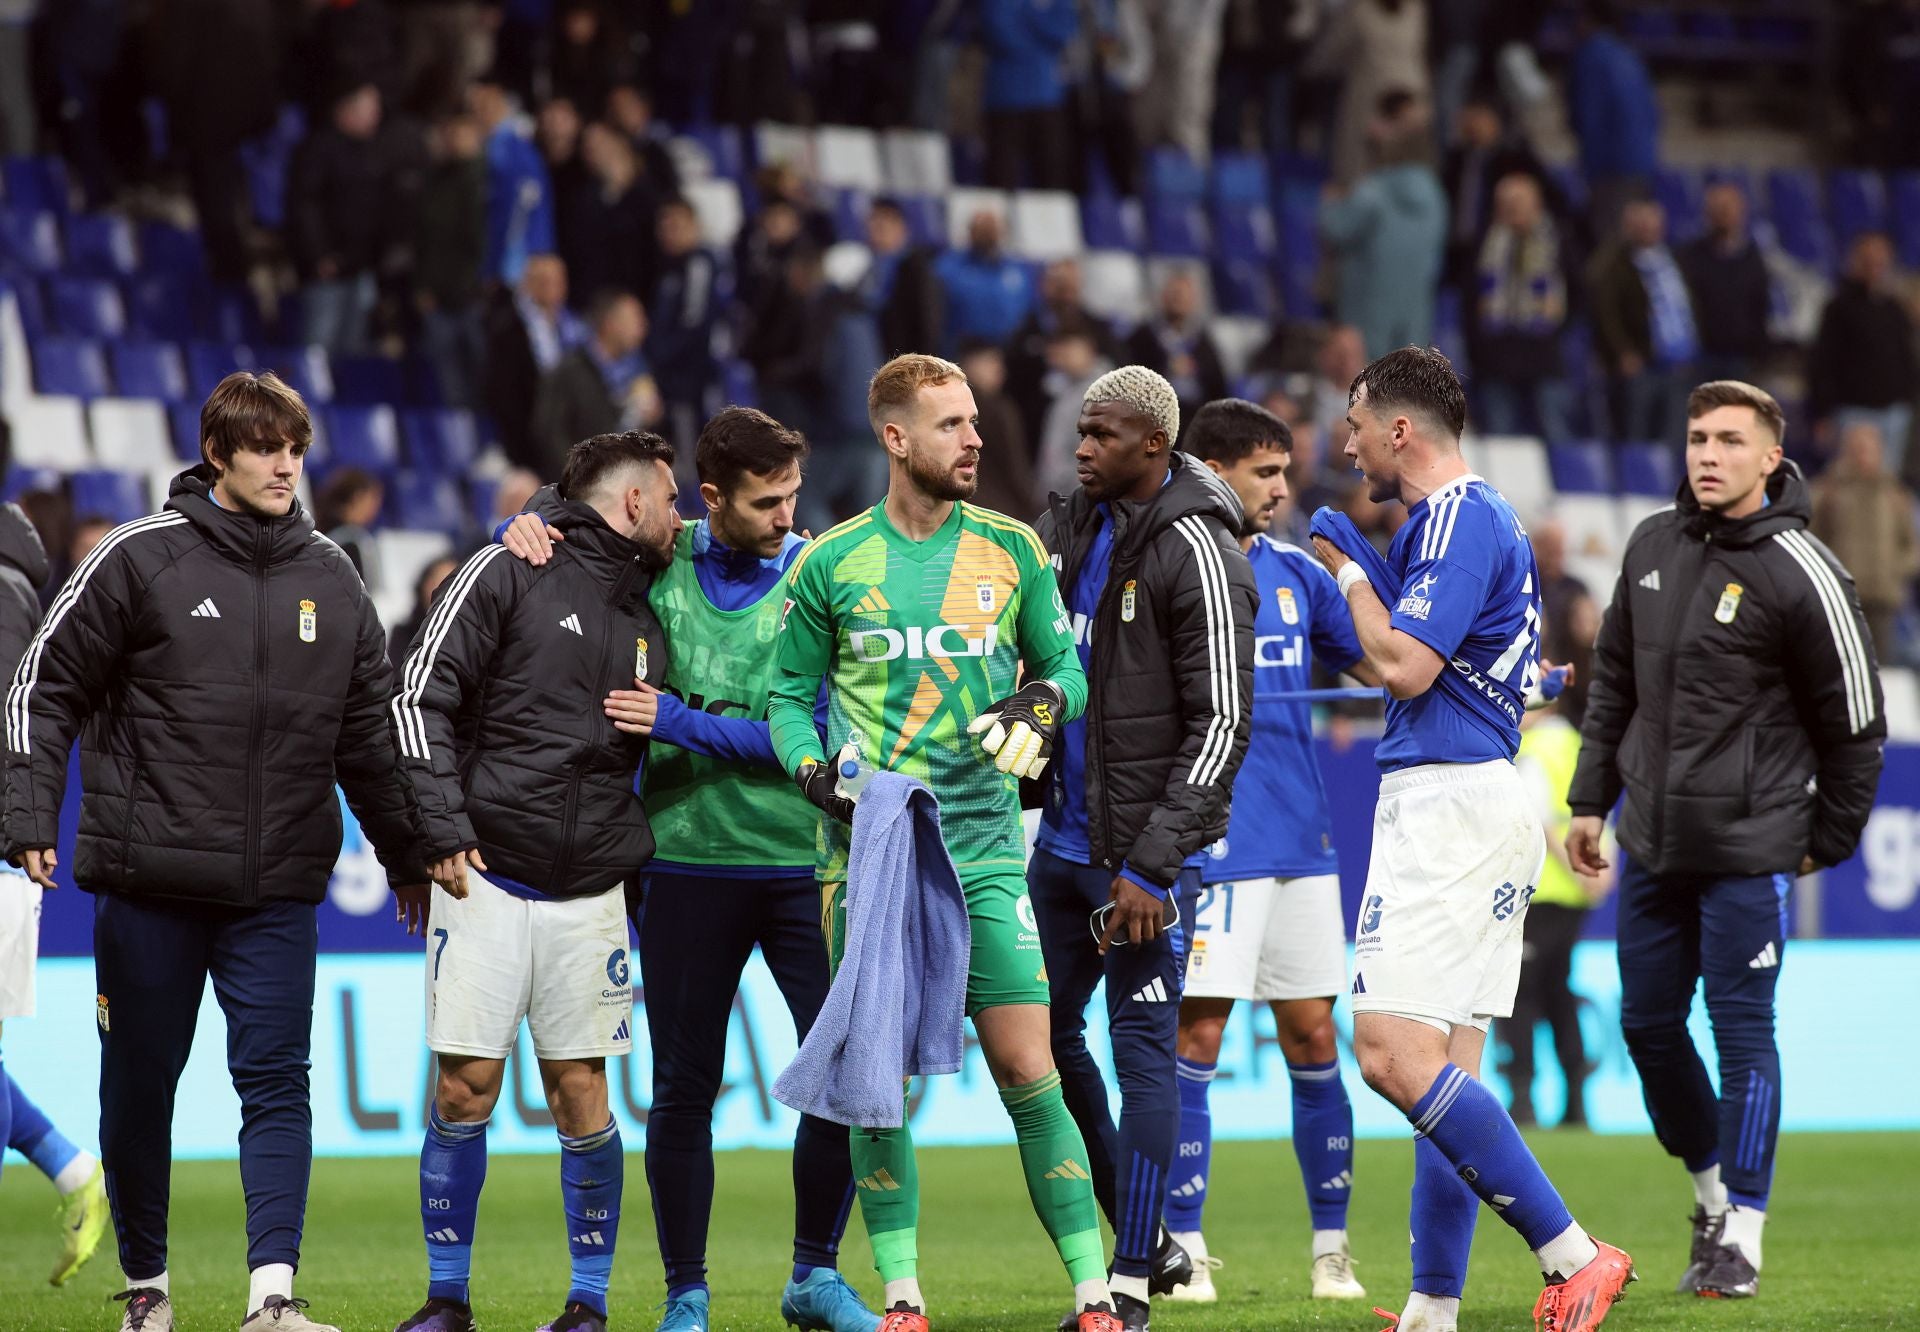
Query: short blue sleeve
pixel 1335 645
pixel 1450 569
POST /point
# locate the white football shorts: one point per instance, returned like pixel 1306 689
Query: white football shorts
pixel 1268 939
pixel 561 964
pixel 19 942
pixel 1457 850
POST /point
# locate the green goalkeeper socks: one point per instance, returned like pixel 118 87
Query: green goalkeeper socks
pixel 888 1182
pixel 1054 1156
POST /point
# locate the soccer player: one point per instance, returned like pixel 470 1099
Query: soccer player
pixel 533 826
pixel 76 1174
pixel 1268 926
pixel 1737 703
pixel 919 614
pixel 227 668
pixel 1162 603
pixel 734 863
pixel 1456 844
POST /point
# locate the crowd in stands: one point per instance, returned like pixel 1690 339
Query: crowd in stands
pixel 504 192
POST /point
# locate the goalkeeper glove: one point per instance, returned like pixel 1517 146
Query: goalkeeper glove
pixel 819 784
pixel 1020 728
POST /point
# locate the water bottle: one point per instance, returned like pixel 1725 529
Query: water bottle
pixel 851 772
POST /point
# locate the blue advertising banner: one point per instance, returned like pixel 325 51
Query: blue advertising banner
pixel 1877 892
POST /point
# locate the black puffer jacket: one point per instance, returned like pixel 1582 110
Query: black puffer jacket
pixel 501 727
pixel 1170 677
pixel 227 670
pixel 23 572
pixel 1735 695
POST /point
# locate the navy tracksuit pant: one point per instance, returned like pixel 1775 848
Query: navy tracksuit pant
pixel 1732 933
pixel 696 934
pixel 151 965
pixel 1129 1163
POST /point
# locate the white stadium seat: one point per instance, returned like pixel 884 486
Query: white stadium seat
pixel 1517 467
pixel 49 431
pixel 403 554
pixel 1903 703
pixel 1159 270
pixel 962 204
pixel 16 364
pixel 717 204
pixel 1114 285
pixel 916 161
pixel 1594 540
pixel 785 145
pixel 849 158
pixel 847 263
pixel 130 433
pixel 1238 337
pixel 1044 224
pixel 690 158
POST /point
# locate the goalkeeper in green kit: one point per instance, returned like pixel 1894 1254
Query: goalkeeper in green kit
pixel 918 615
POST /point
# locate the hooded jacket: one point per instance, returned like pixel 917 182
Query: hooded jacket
pixel 1735 695
pixel 222 672
pixel 23 572
pixel 1170 676
pixel 502 734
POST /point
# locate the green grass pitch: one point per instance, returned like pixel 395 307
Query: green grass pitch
pixel 1842 1248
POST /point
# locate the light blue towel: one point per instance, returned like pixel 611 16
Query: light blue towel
pixel 900 995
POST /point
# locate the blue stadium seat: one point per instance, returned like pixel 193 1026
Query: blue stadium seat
pixel 1242 230
pixel 926 218
pixel 1297 216
pixel 29 301
pixel 184 417
pixel 304 367
pixel 149 370
pixel 38 184
pixel 1793 199
pixel 723 147
pixel 1176 229
pixel 19 480
pixel 1173 176
pixel 121 496
pixel 101 245
pixel 426 500
pixel 1243 287
pixel 445 441
pixel 29 239
pixel 1241 178
pixel 1103 223
pixel 1650 469
pixel 364 437
pixel 70 365
pixel 1903 194
pixel 161 305
pixel 1679 192
pixel 1857 202
pixel 210 362
pixel 228 314
pixel 1582 468
pixel 850 214
pixel 369 379
pixel 737 384
pixel 87 307
pixel 165 248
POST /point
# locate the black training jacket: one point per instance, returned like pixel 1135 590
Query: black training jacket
pixel 502 730
pixel 1735 697
pixel 222 672
pixel 1170 679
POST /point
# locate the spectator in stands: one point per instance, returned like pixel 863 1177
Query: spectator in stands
pixel 766 244
pixel 520 220
pixel 1060 305
pixel 1029 131
pixel 515 491
pixel 1514 321
pixel 528 334
pixel 1006 461
pixel 680 337
pixel 1731 292
pixel 1175 342
pixel 345 44
pixel 79 47
pixel 1484 154
pixel 1387 234
pixel 1342 355
pixel 400 637
pixel 1073 363
pixel 1570 617
pixel 1262 45
pixel 601 387
pixel 900 289
pixel 1614 115
pixel 556 133
pixel 347 207
pixel 19 128
pixel 1865 515
pixel 1109 68
pixel 607 226
pixel 630 111
pixel 1643 326
pixel 588 55
pixel 89 529
pixel 444 45
pixel 346 511
pixel 449 247
pixel 988 294
pixel 1176 106
pixel 1862 366
pixel 1373 47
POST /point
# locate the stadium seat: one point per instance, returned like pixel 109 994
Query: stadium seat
pixel 846 264
pixel 1114 285
pixel 75 367
pixel 184 418
pixel 120 496
pixel 1108 222
pixel 848 156
pixel 962 204
pixel 717 204
pixel 1793 201
pixel 161 305
pixel 1296 215
pixel 1595 537
pixel 1857 202
pixel 366 380
pixel 363 437
pixel 1517 467
pixel 1240 178
pixel 1636 509
pixel 1902 690
pixel 229 314
pixel 785 145
pixel 49 431
pixel 29 240
pixel 1679 191
pixel 916 161
pixel 848 208
pixel 737 383
pixel 1581 468
pixel 210 362
pixel 721 148
pixel 1044 224
pixel 446 440
pixel 1243 230
pixel 304 367
pixel 1238 338
pixel 404 554
pixel 1175 228
pixel 1172 175
pixel 1653 470
pixel 87 307
pixel 19 480
pixel 148 370
pixel 926 218
pixel 1903 191
pixel 426 501
pixel 1160 269
pixel 1244 287
pixel 101 245
pixel 37 183
pixel 130 433
pixel 165 248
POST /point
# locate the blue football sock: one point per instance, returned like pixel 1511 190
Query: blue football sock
pixel 1323 1140
pixel 33 1135
pixel 1193 1152
pixel 453 1167
pixel 1476 1135
pixel 6 1111
pixel 1442 1220
pixel 591 1171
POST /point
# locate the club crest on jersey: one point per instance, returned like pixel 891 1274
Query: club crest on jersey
pixel 941 640
pixel 308 622
pixel 1729 603
pixel 639 658
pixel 1127 602
pixel 983 592
pixel 1289 611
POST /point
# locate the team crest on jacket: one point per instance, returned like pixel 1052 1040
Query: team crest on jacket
pixel 984 591
pixel 1288 610
pixel 1127 602
pixel 639 658
pixel 308 622
pixel 100 1012
pixel 1729 603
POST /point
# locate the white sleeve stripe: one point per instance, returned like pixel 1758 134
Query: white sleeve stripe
pixel 27 674
pixel 1223 677
pixel 419 667
pixel 1840 623
pixel 1453 516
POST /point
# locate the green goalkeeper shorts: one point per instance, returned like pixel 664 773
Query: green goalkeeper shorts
pixel 1004 967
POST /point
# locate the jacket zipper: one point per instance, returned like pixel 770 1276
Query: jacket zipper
pixel 563 861
pixel 250 885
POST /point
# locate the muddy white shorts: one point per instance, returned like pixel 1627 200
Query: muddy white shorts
pixel 19 942
pixel 1268 939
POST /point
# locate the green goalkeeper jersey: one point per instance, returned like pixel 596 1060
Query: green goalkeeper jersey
pixel 915 639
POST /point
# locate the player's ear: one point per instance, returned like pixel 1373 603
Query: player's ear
pixel 710 496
